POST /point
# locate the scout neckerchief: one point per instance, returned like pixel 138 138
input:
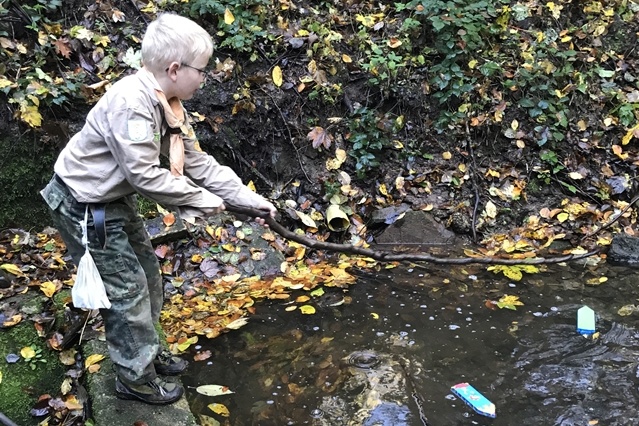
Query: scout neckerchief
pixel 178 127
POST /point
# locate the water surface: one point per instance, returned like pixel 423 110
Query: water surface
pixel 390 355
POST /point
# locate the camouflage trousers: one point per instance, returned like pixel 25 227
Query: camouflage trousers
pixel 131 275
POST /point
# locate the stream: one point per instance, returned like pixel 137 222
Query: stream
pixel 387 350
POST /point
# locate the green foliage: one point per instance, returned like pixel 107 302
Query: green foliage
pixel 247 24
pixel 37 359
pixel 383 65
pixel 369 133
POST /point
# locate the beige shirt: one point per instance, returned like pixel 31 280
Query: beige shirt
pixel 117 153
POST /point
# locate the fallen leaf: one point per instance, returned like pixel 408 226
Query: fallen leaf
pixel 213 390
pixel 219 409
pixel 93 359
pixel 319 137
pixel 27 352
pixel 277 76
pixel 228 17
pixel 307 309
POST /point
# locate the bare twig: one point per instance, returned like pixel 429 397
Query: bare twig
pixel 386 256
pixel 609 224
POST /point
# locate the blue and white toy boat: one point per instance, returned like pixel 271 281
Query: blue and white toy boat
pixel 476 400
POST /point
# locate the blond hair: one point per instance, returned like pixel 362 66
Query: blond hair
pixel 174 38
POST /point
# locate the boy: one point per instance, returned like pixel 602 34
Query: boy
pixel 114 156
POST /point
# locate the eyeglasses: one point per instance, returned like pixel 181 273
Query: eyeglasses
pixel 203 71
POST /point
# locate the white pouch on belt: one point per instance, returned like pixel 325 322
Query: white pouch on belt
pixel 88 291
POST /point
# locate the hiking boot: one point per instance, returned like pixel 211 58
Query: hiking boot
pixel 167 364
pixel 156 392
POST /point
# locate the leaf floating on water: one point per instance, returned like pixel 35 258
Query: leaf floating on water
pixel 307 309
pixel 219 409
pixel 240 322
pixel 213 390
pixel 626 310
pixel 509 302
pixel 208 421
pixel 596 281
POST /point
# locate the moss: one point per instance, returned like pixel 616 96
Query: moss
pixel 25 168
pixel 21 386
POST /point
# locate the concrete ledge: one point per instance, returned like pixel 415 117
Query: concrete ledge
pixel 108 410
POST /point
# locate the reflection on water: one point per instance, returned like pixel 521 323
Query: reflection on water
pixel 392 354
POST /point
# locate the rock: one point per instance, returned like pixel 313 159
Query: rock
pixel 624 251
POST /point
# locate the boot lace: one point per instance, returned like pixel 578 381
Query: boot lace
pixel 156 385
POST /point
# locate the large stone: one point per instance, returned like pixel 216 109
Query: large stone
pixel 624 251
pixel 416 228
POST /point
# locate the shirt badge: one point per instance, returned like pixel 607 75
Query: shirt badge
pixel 137 130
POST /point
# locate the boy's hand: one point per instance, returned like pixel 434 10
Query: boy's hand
pixel 268 208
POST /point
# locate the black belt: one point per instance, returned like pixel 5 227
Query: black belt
pixel 98 212
pixel 59 180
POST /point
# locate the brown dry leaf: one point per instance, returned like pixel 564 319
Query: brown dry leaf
pixel 201 356
pixel 319 137
pixel 62 47
pixel 168 219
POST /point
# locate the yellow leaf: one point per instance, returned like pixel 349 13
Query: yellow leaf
pixel 48 288
pixel 509 302
pixel 513 273
pixel 596 281
pixel 277 76
pixel 374 315
pixel 562 217
pixel 30 115
pixel 238 323
pixel 251 186
pixel 447 155
pixel 383 190
pixel 228 17
pixel 346 58
pixel 219 409
pixel 491 210
pixel 12 269
pixel 472 64
pixel 307 309
pixel 27 352
pixel 72 403
pixel 93 359
pixel 306 219
pixel 5 83
pixel 634 132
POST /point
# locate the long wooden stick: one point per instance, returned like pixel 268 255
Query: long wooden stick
pixel 386 256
